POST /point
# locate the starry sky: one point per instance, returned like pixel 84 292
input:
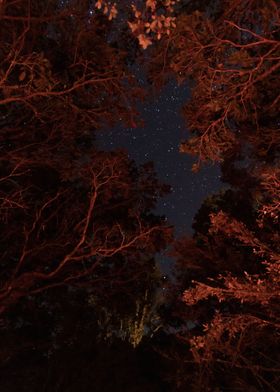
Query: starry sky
pixel 158 141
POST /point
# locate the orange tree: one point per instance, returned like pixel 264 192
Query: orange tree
pixel 229 275
pixel 70 215
pixel 229 53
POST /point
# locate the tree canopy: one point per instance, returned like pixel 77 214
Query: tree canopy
pixel 80 286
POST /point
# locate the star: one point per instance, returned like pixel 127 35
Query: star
pixel 159 141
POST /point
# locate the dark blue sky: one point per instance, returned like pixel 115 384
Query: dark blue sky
pixel 158 141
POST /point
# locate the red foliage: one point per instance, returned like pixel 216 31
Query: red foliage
pixel 69 214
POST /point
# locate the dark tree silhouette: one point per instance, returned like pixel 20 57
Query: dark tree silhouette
pixel 78 233
pixel 78 236
pixel 69 214
pixel 229 52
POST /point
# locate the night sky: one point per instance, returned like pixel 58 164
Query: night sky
pixel 158 141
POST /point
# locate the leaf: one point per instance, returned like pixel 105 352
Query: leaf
pixel 98 4
pixel 195 168
pixel 144 41
pixel 133 26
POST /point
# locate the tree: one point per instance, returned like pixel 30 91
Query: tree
pixel 69 214
pixel 78 232
pixel 231 55
pixel 229 275
pixel 79 217
pixel 57 62
pixel 229 270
